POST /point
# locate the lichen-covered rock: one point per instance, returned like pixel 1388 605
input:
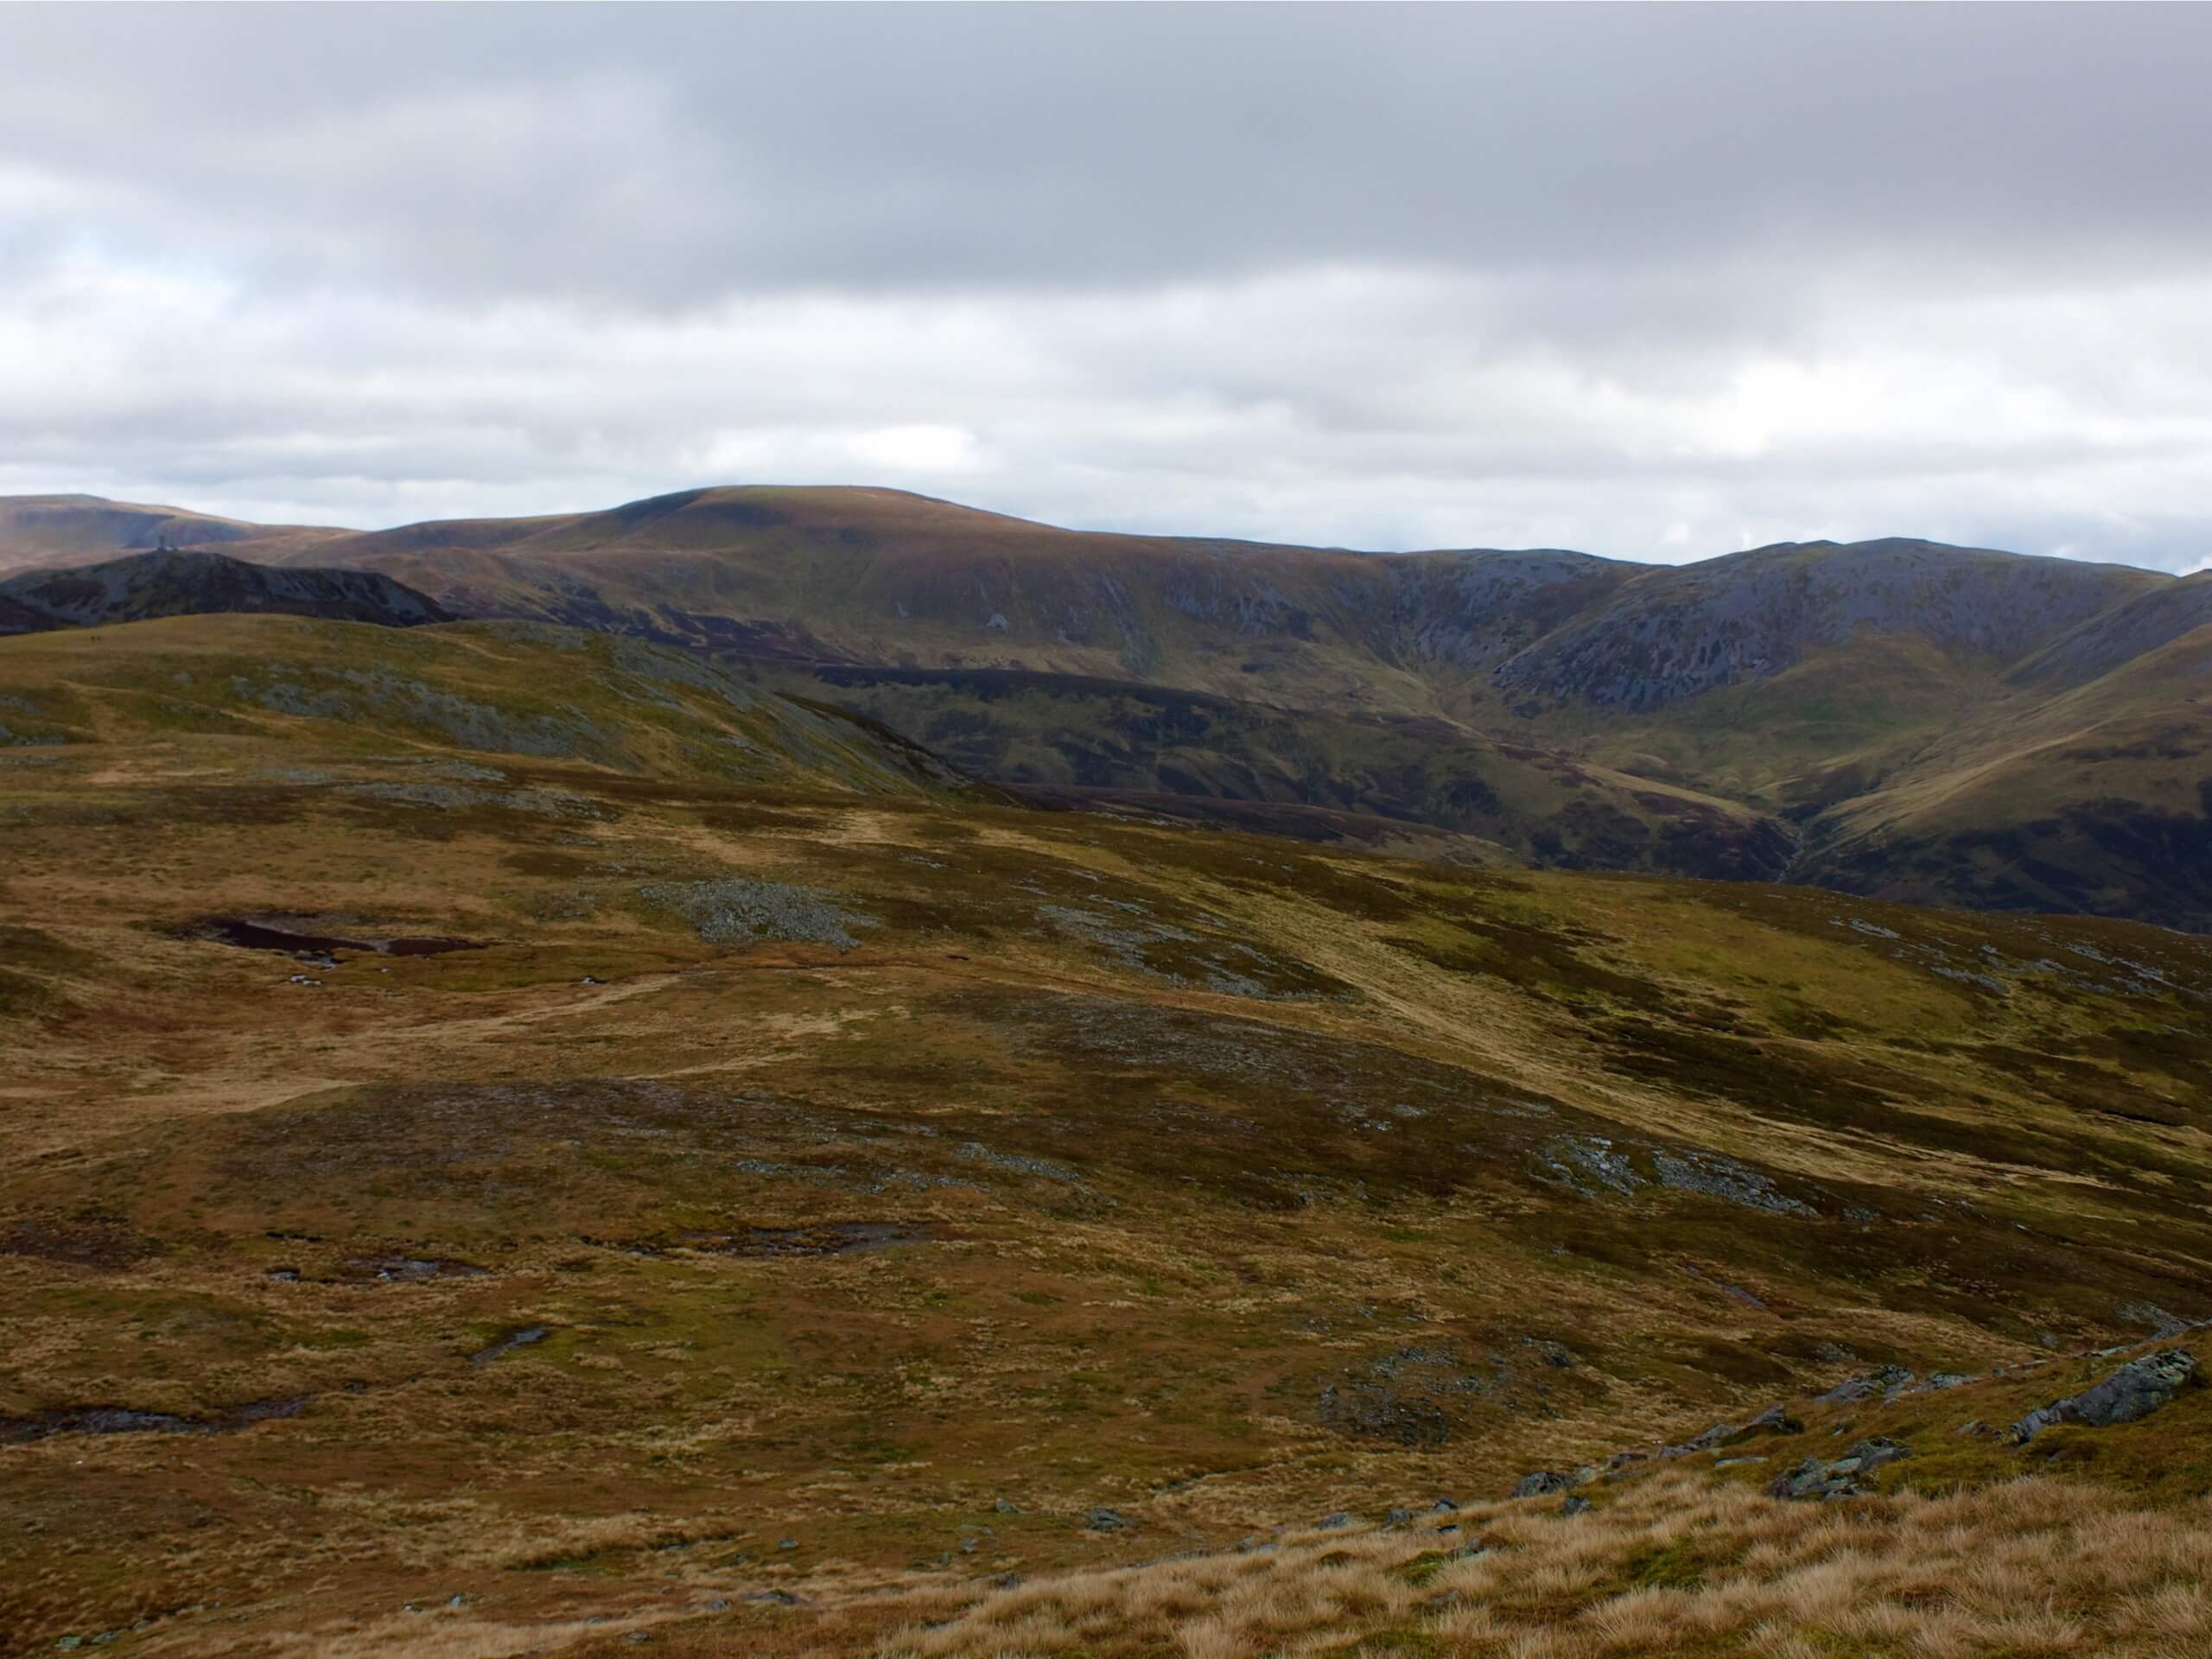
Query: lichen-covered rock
pixel 1542 1483
pixel 2136 1389
pixel 1843 1477
pixel 1888 1380
pixel 1774 1420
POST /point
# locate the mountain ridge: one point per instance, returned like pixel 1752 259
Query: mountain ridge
pixel 1816 685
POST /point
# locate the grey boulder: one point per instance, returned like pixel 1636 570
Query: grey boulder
pixel 2136 1389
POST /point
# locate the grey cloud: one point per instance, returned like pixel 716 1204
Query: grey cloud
pixel 643 155
pixel 1656 281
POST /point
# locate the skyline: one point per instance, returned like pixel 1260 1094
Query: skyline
pixel 1379 278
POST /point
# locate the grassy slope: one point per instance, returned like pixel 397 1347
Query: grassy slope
pixel 1177 1132
pixel 2099 798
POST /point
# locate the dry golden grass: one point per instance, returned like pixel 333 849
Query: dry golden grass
pixel 1675 1565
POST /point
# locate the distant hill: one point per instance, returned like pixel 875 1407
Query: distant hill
pixel 173 582
pixel 38 530
pixel 1883 715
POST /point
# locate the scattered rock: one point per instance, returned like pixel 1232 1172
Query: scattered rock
pixel 1888 1382
pixel 1007 1506
pixel 1576 1504
pixel 1104 1520
pixel 1333 1520
pixel 508 1343
pixel 1397 1517
pixel 773 1598
pixel 1843 1476
pixel 715 1605
pixel 409 1270
pixel 2136 1389
pixel 1444 1506
pixel 1542 1483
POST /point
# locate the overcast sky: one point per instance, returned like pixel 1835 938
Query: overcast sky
pixel 1658 282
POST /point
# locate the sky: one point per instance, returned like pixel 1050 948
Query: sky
pixel 1656 281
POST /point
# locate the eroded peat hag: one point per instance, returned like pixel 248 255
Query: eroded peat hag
pixel 833 1210
pixel 260 936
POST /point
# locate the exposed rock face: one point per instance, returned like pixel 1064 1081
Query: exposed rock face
pixel 2136 1389
pixel 172 582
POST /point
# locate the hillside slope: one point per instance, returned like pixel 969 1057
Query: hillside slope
pixel 398 706
pixel 2098 799
pixel 508 1128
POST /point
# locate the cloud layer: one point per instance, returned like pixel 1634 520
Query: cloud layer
pixel 1656 281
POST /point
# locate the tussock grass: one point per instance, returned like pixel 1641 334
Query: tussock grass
pixel 2033 1566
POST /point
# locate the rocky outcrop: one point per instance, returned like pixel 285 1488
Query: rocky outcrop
pixel 1544 1482
pixel 2135 1390
pixel 1889 1381
pixel 1843 1477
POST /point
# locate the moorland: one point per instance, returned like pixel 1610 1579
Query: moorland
pixel 522 1136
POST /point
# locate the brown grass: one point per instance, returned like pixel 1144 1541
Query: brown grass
pixel 1673 1566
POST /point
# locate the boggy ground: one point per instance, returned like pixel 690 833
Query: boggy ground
pixel 828 1184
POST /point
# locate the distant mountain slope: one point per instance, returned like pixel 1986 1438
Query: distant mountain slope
pixel 59 530
pixel 2115 638
pixel 1827 685
pixel 185 584
pixel 1669 634
pixel 2097 801
pixel 879 577
pixel 1068 737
